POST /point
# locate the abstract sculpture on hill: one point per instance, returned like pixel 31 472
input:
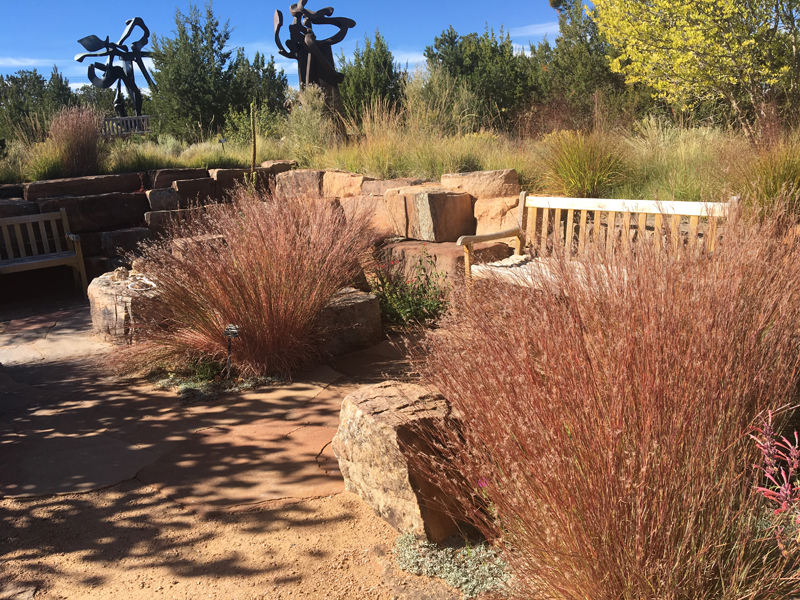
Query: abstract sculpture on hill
pixel 314 57
pixel 123 73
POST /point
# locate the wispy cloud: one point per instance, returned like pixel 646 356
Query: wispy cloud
pixel 535 30
pixel 10 61
pixel 408 56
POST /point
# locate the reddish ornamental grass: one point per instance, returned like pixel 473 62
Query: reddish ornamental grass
pixel 270 267
pixel 603 432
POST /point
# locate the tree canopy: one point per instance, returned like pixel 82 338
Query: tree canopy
pixel 688 52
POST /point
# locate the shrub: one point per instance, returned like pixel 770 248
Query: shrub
pixel 309 129
pixel 582 165
pixel 409 295
pixel 269 267
pixel 603 425
pixel 75 135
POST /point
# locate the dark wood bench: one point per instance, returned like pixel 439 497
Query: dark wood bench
pixel 39 241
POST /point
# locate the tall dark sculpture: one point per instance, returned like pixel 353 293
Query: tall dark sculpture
pixel 314 57
pixel 123 73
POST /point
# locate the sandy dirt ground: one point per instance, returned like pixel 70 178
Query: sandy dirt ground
pixel 130 542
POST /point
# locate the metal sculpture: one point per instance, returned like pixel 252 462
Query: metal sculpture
pixel 314 57
pixel 123 73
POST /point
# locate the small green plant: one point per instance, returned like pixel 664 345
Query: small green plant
pixel 471 569
pixel 410 296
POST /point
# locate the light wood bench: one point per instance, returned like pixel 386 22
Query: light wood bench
pixel 40 241
pixel 571 225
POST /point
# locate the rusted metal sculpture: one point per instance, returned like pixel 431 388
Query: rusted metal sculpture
pixel 314 57
pixel 123 73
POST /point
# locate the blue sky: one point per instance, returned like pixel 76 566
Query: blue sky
pixel 42 33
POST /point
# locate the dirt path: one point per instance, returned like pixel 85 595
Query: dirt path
pixel 130 542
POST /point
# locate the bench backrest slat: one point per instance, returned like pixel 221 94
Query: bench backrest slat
pixel 45 243
pixel 7 242
pixel 56 234
pixel 20 241
pixel 32 239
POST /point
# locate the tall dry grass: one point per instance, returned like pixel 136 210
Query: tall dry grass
pixel 269 267
pixel 75 136
pixel 602 437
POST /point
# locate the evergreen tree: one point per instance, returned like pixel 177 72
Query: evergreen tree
pixel 193 75
pixel 372 74
pixel 260 82
pixel 28 95
pixel 490 66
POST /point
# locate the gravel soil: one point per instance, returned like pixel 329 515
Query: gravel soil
pixel 130 542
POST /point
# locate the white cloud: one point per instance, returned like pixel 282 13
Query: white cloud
pixel 535 30
pixel 411 57
pixel 8 61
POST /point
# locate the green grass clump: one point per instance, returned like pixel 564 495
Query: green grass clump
pixel 472 570
pixel 582 165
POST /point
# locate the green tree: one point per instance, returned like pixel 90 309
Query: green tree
pixel 490 66
pixel 193 75
pixel 260 82
pixel 372 74
pixel 27 95
pixel 689 52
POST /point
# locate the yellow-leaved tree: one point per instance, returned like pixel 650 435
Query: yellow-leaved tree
pixel 693 50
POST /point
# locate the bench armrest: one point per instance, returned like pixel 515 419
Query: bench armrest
pixel 488 237
pixel 73 237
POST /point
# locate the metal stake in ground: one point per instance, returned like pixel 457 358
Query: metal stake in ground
pixel 231 331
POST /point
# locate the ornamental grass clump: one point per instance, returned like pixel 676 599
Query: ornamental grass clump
pixel 603 422
pixel 269 267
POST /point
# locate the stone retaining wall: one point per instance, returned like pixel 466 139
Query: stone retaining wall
pixel 113 213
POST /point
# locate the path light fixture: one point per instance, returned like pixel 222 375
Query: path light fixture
pixel 231 331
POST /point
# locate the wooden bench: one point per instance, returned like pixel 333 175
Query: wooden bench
pixel 571 225
pixel 40 241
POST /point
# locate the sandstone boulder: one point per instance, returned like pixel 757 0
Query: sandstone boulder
pixel 11 190
pixel 86 186
pixel 375 207
pixel 341 184
pixel 375 444
pixel 378 187
pixel 299 184
pixel 115 301
pixel 484 184
pixel 195 191
pixel 163 178
pixel 430 213
pixel 17 207
pixel 448 257
pixel 278 166
pixel 495 214
pixel 351 321
pixel 164 199
pixel 123 240
pixel 104 212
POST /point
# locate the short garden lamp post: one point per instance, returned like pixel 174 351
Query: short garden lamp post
pixel 223 142
pixel 231 331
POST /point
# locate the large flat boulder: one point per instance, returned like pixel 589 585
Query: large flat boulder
pixel 495 214
pixel 164 199
pixel 114 243
pixel 375 207
pixel 17 207
pixel 299 184
pixel 378 187
pixel 86 186
pixel 484 184
pixel 11 190
pixel 351 321
pixel 228 179
pixel 278 166
pixel 104 212
pixel 341 184
pixel 430 213
pixel 375 446
pixel 195 191
pixel 447 258
pixel 163 178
